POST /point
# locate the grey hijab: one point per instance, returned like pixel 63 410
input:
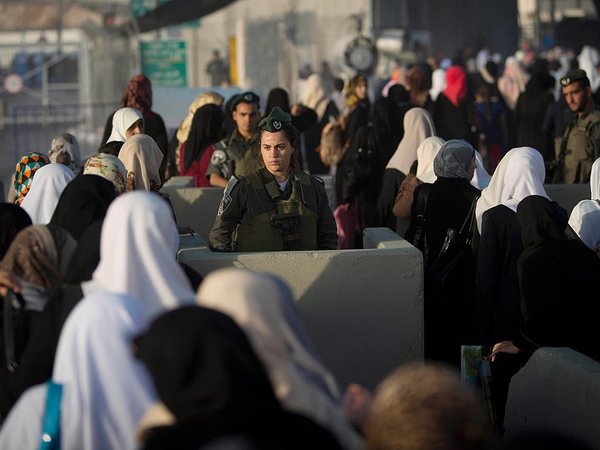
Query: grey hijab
pixel 454 159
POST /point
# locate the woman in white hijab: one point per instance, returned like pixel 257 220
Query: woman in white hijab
pixel 512 82
pixel 45 191
pixel 520 174
pixel 301 383
pixel 482 178
pixel 589 59
pixel 426 153
pixel 141 157
pixel 105 390
pixel 418 125
pixel 126 122
pixel 585 217
pixel 138 247
pixel 315 97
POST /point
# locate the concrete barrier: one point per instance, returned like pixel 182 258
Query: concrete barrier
pixel 568 195
pixel 558 390
pixel 363 308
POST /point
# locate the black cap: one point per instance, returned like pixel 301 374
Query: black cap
pixel 575 75
pixel 275 121
pixel 246 97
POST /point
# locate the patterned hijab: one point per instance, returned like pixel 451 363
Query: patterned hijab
pixel 109 167
pixel 40 255
pixel 26 168
pixel 65 150
pixel 138 94
pixel 454 159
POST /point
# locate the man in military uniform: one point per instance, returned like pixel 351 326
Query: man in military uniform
pixel 277 207
pixel 238 154
pixel 579 147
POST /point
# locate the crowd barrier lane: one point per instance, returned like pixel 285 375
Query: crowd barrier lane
pixel 362 308
pixel 557 390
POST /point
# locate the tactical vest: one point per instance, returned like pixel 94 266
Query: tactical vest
pixel 577 164
pixel 283 224
pixel 247 163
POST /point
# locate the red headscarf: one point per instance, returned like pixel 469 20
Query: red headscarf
pixel 456 84
pixel 138 94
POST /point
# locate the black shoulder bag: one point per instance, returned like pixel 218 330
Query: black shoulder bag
pixel 416 235
pixel 455 251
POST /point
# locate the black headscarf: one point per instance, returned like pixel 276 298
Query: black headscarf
pixel 86 256
pixel 541 221
pixel 278 97
pixel 84 200
pixel 13 219
pixel 204 368
pixel 387 119
pixel 207 128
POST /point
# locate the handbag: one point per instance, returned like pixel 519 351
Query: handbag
pixel 416 233
pixel 455 251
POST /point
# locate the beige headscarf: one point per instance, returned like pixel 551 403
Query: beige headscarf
pixel 418 125
pixel 141 157
pixel 40 255
pixel 206 98
pixel 109 167
pixel 301 383
pixel 315 97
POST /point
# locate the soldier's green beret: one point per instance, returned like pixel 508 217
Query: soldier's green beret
pixel 575 75
pixel 275 121
pixel 246 97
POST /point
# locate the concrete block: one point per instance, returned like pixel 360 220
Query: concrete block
pixel 383 238
pixel 568 195
pixel 178 182
pixel 195 207
pixel 559 390
pixel 362 308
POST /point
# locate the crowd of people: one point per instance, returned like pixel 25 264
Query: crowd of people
pixel 110 343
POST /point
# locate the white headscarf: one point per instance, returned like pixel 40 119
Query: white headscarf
pixel 595 180
pixel 585 221
pixel 521 173
pixel 426 153
pixel 418 125
pixel 588 60
pixel 438 83
pixel 301 383
pixel 314 96
pixel 122 120
pixel 138 245
pixel 45 190
pixel 481 179
pixel 105 389
pixel 141 157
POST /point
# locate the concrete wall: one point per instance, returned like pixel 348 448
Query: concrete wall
pixel 568 195
pixel 362 308
pixel 558 390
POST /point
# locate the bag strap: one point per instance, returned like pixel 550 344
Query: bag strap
pixel 51 427
pixel 9 330
pixel 469 221
pixel 422 201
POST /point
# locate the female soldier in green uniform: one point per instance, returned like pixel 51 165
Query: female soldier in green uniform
pixel 278 207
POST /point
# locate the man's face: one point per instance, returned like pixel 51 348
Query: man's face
pixel 246 117
pixel 577 96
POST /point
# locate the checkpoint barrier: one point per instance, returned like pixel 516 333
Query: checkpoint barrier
pixel 568 195
pixel 362 308
pixel 557 390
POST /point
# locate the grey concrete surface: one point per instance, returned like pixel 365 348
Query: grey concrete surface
pixel 559 390
pixel 362 308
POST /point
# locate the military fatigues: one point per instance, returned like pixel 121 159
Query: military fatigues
pixel 235 156
pixel 579 148
pixel 255 215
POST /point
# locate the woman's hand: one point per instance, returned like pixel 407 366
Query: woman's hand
pixel 504 347
pixel 8 281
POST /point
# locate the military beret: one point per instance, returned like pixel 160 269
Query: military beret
pixel 275 121
pixel 574 75
pixel 246 97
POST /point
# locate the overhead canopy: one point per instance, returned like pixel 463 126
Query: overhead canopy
pixel 175 12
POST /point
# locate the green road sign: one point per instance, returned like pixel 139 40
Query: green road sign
pixel 165 63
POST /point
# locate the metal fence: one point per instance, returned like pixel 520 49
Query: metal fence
pixel 34 126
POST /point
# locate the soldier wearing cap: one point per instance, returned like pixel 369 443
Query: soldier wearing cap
pixel 238 153
pixel 579 147
pixel 277 207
